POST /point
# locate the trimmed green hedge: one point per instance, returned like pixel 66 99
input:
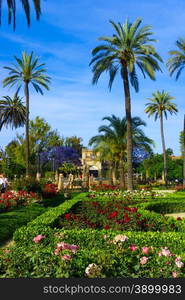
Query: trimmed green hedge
pixel 12 220
pixel 28 259
pixel 51 215
pixel 164 206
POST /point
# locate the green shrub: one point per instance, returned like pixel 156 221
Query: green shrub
pixel 42 250
pixel 53 257
pixel 29 184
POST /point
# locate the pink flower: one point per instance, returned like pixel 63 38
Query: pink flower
pixel 145 250
pixel 38 238
pixel 66 257
pixel 174 274
pixel 56 252
pixel 165 252
pixel 143 260
pixel 178 262
pixel 65 246
pixel 73 248
pixel 133 247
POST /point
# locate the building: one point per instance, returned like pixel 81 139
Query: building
pixel 90 163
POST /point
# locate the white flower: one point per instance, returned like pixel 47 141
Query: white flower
pixel 92 270
pixel 120 238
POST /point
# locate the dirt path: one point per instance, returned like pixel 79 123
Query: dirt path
pixel 176 215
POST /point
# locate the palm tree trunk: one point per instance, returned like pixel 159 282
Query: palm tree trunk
pixel 184 154
pixel 122 174
pixel 111 174
pixel 129 128
pixel 26 90
pixel 164 149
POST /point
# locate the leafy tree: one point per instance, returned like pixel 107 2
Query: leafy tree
pixel 27 70
pixel 12 112
pixel 74 142
pixel 154 166
pixel 11 4
pixel 127 50
pixel 176 64
pixel 115 136
pixel 161 104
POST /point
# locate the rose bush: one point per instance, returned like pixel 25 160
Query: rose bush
pixel 10 199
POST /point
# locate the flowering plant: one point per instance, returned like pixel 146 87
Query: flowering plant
pixel 12 199
pixel 116 216
pixel 49 190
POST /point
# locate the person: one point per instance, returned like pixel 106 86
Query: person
pixel 3 183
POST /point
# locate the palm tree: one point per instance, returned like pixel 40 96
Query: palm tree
pixel 129 48
pixel 11 4
pixel 158 106
pixel 115 135
pixel 176 64
pixel 12 112
pixel 103 149
pixel 27 70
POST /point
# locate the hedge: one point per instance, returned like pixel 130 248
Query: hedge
pixel 94 247
pixel 12 220
pixel 34 260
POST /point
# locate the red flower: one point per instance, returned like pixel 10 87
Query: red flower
pixel 107 227
pixel 179 219
pixel 113 214
pixel 67 216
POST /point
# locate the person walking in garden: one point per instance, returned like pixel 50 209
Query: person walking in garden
pixel 3 183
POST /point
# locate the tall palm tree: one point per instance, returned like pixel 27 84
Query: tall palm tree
pixel 12 112
pixel 27 70
pixel 11 4
pixel 115 134
pixel 160 104
pixel 176 64
pixel 126 51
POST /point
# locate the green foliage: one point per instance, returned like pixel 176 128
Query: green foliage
pixel 111 259
pixel 10 221
pixel 13 112
pixel 113 253
pixel 26 6
pixel 29 184
pixel 154 166
pixel 68 168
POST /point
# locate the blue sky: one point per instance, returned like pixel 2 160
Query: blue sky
pixel 64 38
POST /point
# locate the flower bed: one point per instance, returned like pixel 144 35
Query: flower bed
pixel 10 199
pixel 116 216
pixel 89 253
pixel 43 250
pixel 128 196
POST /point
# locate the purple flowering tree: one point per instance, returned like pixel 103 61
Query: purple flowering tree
pixel 59 155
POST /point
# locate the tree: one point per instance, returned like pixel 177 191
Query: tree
pixel 160 104
pixel 74 142
pixel 127 50
pixel 27 70
pixel 42 138
pixel 176 64
pixel 11 4
pixel 12 112
pixel 60 155
pixel 115 134
pixel 154 166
